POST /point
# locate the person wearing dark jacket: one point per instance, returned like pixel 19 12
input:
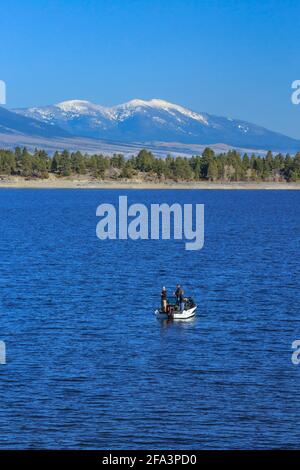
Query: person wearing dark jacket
pixel 177 294
pixel 181 300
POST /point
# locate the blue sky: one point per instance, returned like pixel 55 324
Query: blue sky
pixel 233 58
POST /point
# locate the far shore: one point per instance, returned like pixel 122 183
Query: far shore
pixel 84 183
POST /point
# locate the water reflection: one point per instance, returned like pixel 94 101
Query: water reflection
pixel 177 323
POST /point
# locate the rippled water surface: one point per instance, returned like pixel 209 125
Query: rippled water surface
pixel 88 365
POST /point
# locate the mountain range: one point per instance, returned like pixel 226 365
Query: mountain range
pixel 139 122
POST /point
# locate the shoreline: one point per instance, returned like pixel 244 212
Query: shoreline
pixel 77 183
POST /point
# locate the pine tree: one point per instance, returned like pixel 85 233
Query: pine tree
pixel 212 171
pixel 65 167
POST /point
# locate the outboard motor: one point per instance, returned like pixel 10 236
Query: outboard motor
pixel 170 310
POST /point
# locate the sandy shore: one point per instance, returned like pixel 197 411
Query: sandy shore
pixel 81 183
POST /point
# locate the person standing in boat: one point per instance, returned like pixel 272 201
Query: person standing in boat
pixel 177 294
pixel 181 300
pixel 164 299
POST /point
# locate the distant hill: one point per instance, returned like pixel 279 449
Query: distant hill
pixel 15 124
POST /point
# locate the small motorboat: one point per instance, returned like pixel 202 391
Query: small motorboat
pixel 173 311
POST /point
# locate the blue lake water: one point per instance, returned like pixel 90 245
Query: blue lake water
pixel 89 366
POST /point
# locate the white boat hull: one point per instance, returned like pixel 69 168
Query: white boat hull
pixel 177 315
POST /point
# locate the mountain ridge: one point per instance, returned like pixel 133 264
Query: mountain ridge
pixel 156 120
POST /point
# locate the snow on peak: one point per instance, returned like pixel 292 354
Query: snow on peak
pixel 84 108
pixel 158 108
pixel 79 106
pixel 115 113
pixel 159 104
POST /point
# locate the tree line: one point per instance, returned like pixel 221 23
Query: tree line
pixel 224 167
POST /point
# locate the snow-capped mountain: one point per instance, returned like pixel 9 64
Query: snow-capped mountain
pixel 156 120
pixel 137 119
